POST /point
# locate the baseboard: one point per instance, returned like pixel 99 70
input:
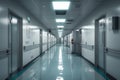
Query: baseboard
pixel 28 64
pixel 46 50
pixel 88 61
pixel 35 59
pixel 67 45
pixel 101 69
pixel 75 53
pixel 24 67
pixel 110 77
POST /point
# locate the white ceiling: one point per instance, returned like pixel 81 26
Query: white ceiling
pixel 43 11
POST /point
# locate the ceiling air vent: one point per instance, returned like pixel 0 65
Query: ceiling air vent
pixel 68 23
pixel 69 20
pixel 63 12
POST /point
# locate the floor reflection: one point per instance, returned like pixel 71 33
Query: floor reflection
pixel 59 64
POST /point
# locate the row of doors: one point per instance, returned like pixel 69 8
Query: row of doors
pixel 100 27
pixel 14 45
pixel 15 40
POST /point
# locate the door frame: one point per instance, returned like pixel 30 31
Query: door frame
pixel 20 61
pixel 80 44
pixel 97 45
pixel 41 42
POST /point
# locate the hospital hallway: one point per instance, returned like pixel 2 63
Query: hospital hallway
pixel 59 64
pixel 59 39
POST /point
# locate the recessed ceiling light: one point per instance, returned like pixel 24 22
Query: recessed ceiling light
pixel 60 20
pixel 77 30
pixel 61 5
pixel 14 20
pixel 60 33
pixel 60 26
pixel 60 30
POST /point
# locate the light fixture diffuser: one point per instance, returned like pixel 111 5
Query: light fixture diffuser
pixel 77 30
pixel 60 20
pixel 60 33
pixel 61 5
pixel 14 20
pixel 60 30
pixel 60 26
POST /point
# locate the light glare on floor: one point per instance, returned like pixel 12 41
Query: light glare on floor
pixel 61 5
pixel 59 78
pixel 60 67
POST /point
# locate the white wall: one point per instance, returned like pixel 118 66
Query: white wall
pixel 71 37
pixel 113 42
pixel 88 40
pixel 31 37
pixel 30 55
pixel 3 42
pixel 3 68
pixel 109 8
pixel 44 39
pixel 18 9
pixel 88 36
pixel 3 28
pixel 66 40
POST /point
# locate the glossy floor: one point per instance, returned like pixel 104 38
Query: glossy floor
pixel 59 64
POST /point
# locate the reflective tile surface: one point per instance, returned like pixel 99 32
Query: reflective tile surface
pixel 59 64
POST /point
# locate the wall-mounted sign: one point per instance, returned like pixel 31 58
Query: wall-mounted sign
pixel 28 19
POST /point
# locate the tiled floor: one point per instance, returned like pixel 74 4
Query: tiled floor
pixel 59 64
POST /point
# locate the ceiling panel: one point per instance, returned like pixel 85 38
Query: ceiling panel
pixel 43 11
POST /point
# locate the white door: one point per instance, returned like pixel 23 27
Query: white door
pixel 15 42
pixel 101 43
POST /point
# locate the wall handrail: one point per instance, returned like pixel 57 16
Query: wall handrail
pixel 90 47
pixel 3 50
pixel 112 50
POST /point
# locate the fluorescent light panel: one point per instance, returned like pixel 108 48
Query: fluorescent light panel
pixel 14 20
pixel 60 30
pixel 60 20
pixel 61 5
pixel 60 26
pixel 60 33
pixel 77 30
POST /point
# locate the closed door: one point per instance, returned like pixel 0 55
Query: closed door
pixel 15 44
pixel 4 49
pixel 101 43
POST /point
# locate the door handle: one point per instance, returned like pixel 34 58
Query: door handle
pixel 8 52
pixel 24 47
pixel 106 50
